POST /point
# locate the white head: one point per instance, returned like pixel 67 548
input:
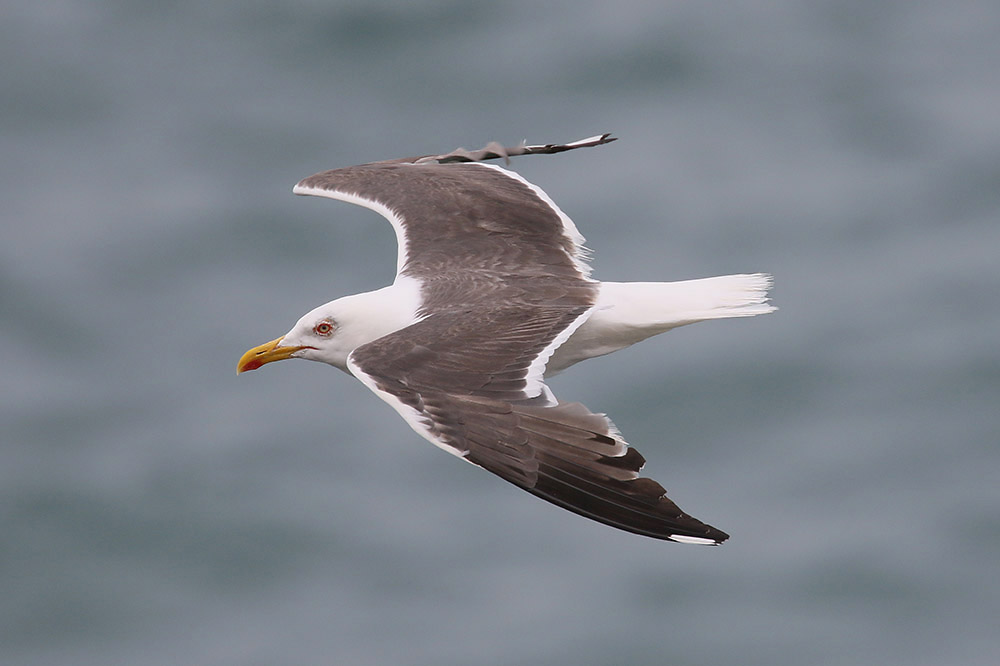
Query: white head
pixel 332 331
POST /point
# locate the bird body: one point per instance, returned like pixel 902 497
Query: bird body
pixel 625 313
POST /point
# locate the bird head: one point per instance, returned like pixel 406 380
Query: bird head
pixel 332 331
pixel 317 336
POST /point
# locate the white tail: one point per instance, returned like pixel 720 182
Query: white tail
pixel 628 312
pixel 666 305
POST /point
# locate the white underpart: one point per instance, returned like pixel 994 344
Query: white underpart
pixel 394 218
pixel 629 312
pixel 579 256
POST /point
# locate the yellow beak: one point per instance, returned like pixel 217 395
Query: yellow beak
pixel 265 353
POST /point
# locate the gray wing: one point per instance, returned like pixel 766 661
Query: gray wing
pixel 462 218
pixel 464 381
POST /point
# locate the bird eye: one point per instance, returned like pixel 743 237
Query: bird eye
pixel 323 328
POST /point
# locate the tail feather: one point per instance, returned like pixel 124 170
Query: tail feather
pixel 711 298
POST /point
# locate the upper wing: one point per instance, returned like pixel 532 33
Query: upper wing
pixel 470 382
pixel 452 213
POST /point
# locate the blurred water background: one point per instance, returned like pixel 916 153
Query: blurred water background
pixel 156 509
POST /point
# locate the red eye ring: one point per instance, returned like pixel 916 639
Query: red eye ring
pixel 323 328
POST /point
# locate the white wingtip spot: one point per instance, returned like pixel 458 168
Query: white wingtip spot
pixel 680 538
pixel 589 139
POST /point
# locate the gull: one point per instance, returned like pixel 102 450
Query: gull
pixel 492 295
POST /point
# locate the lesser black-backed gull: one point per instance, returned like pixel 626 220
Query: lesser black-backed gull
pixel 492 295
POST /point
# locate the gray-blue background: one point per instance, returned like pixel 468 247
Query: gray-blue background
pixel 156 509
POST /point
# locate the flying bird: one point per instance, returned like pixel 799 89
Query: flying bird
pixel 492 295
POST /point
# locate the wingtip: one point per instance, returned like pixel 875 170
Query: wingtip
pixel 698 541
pixel 596 140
